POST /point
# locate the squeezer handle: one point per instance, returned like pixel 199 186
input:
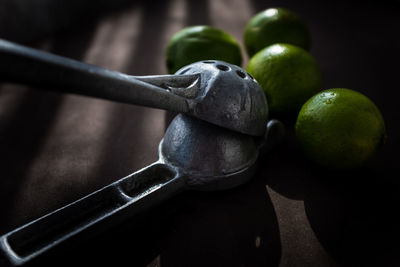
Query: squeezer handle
pixel 123 198
pixel 21 64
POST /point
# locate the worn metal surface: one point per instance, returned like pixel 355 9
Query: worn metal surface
pixel 56 148
pixel 192 155
pixel 214 91
pixel 228 97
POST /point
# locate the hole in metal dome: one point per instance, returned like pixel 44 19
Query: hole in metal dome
pixel 241 74
pixel 222 67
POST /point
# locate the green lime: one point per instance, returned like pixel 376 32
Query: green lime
pixel 197 43
pixel 275 25
pixel 340 128
pixel 289 76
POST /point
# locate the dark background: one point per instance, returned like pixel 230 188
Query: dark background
pixel 56 148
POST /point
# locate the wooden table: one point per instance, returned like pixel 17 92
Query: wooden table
pixel 57 148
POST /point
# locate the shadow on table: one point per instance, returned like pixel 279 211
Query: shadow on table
pixel 237 227
pixel 23 134
pixel 228 228
pixel 352 213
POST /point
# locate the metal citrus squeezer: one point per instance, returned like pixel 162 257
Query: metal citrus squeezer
pixel 213 144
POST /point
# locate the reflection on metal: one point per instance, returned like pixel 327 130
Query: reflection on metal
pixel 214 91
pixel 194 154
